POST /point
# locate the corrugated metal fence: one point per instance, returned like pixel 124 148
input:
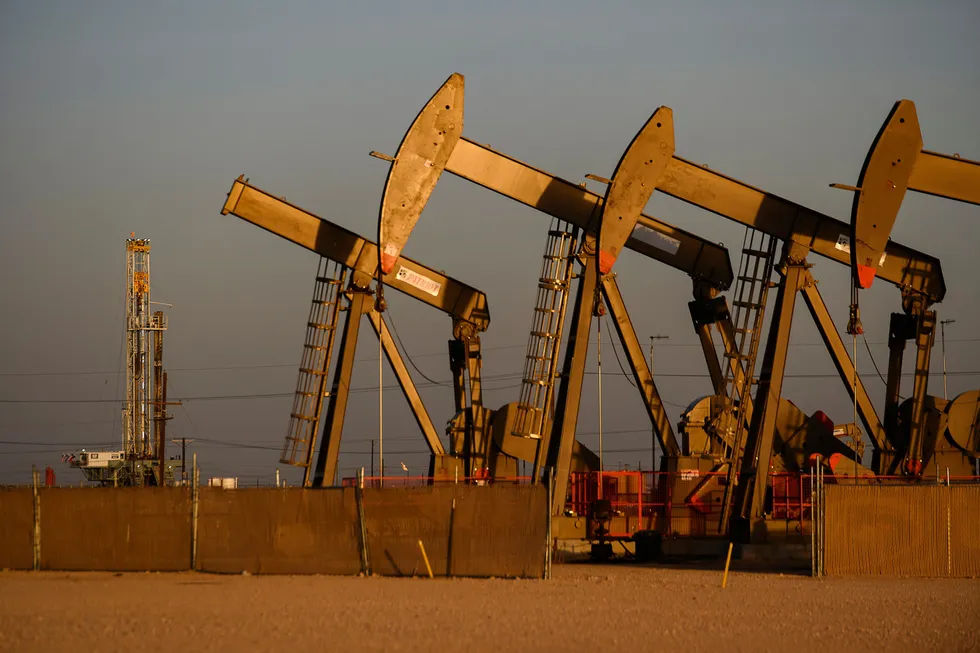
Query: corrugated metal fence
pixel 878 530
pixel 465 530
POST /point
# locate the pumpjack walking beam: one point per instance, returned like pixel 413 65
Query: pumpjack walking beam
pixel 465 305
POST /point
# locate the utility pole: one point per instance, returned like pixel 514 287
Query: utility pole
pixel 183 457
pixel 942 335
pixel 653 429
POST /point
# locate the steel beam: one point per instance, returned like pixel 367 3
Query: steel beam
pixel 570 392
pixel 842 361
pixel 458 353
pixel 758 446
pixel 703 332
pixel 639 367
pixel 946 176
pixel 573 203
pixel 405 381
pixel 332 241
pixel 333 427
pixel 903 266
pixel 899 329
pixel 924 338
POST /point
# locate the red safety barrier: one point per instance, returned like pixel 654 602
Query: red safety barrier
pixel 424 481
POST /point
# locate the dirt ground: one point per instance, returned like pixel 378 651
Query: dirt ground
pixel 584 608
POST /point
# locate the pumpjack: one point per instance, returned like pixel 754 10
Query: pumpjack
pixel 348 258
pixel 775 435
pixel 895 164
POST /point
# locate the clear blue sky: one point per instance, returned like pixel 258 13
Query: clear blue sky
pixel 121 116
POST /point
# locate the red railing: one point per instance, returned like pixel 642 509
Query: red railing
pixel 426 481
pixel 687 503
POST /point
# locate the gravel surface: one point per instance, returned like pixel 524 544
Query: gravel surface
pixel 584 608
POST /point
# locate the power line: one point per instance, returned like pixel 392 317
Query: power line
pixel 270 395
pixel 281 395
pixel 364 360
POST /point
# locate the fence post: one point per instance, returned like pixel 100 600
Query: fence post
pixel 449 552
pixel 949 526
pixel 547 512
pixel 195 501
pixel 36 536
pixel 813 525
pixel 362 523
pixel 822 541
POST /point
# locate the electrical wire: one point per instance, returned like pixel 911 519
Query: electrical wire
pixel 226 368
pixel 280 395
pixel 612 341
pixel 872 357
pixel 401 346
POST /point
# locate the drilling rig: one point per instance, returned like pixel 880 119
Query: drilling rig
pixel 140 461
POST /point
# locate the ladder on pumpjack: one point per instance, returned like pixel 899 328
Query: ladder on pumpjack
pixel 311 385
pixel 751 290
pixel 535 407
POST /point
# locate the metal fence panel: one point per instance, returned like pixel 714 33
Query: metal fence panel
pixel 277 531
pixel 115 529
pixel 964 531
pixel 493 530
pixel 16 528
pixel 928 531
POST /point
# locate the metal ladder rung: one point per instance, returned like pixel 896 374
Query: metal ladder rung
pixel 543 334
pixel 548 284
pixel 760 253
pixel 310 394
pixel 736 356
pixel 314 347
pixel 749 305
pixel 312 372
pixel 535 381
pixel 532 357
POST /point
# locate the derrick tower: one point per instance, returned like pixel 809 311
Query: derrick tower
pixel 142 384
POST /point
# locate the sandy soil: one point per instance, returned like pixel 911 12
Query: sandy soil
pixel 584 608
